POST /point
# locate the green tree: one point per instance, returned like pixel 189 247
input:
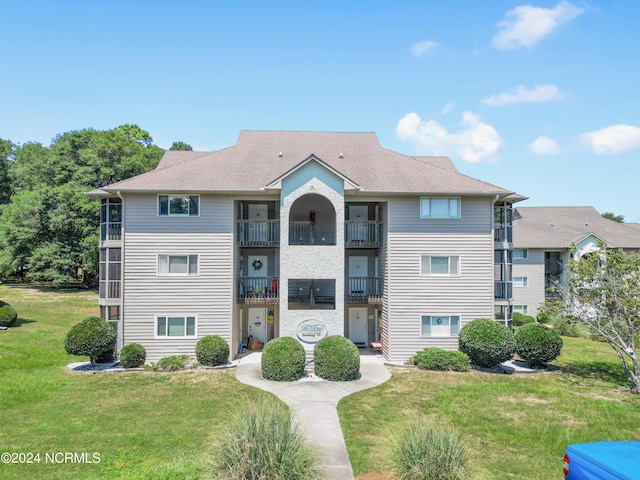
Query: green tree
pixel 6 156
pixel 604 293
pixel 180 146
pixel 49 227
pixel 613 216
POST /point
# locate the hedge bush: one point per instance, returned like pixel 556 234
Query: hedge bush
pixel 108 356
pixel 520 319
pixel 212 350
pixel 92 336
pixel 132 355
pixel 283 360
pixel 336 358
pixel 488 343
pixel 8 315
pixel 439 359
pixel 537 344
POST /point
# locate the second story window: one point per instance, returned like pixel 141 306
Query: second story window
pixel 520 253
pixel 178 265
pixel 179 205
pixel 434 265
pixel 439 207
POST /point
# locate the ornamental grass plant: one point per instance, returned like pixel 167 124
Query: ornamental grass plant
pixel 263 442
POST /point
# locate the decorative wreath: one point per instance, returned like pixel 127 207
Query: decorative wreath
pixel 257 264
pixel 439 321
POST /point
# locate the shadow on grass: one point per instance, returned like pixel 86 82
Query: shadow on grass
pixel 70 288
pixel 22 321
pixel 603 371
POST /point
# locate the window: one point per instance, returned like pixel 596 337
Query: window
pixel 439 207
pixel 520 253
pixel 524 309
pixel 520 282
pixel 440 326
pixel 177 264
pixel 179 205
pixel 170 326
pixel 110 272
pixel 440 265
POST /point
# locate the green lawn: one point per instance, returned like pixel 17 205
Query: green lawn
pixel 161 425
pixel 143 425
pixel 515 426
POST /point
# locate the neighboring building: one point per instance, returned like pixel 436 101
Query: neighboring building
pixel 303 234
pixel 543 239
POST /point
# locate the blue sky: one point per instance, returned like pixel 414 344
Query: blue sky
pixel 540 98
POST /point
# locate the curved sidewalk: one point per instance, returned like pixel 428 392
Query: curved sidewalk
pixel 313 402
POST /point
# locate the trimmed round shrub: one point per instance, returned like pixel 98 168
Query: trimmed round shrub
pixel 212 350
pixel 132 355
pixel 336 358
pixel 108 356
pixel 439 359
pixel 8 315
pixel 487 343
pixel 537 344
pixel 520 319
pixel 92 336
pixel 283 360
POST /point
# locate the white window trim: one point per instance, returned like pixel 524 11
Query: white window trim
pixel 158 274
pixel 429 274
pixel 525 254
pixel 175 337
pixel 523 284
pixel 442 336
pixel 459 199
pixel 178 215
pixel 525 312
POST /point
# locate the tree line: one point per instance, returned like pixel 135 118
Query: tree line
pixel 49 227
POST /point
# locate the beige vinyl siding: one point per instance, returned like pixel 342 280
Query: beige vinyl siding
pixel 410 295
pixel 208 296
pixel 532 268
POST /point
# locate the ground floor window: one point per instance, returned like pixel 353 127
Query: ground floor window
pixel 440 325
pixel 175 326
pixel 524 309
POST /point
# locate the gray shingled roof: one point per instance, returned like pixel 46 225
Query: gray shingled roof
pixel 255 161
pixel 560 227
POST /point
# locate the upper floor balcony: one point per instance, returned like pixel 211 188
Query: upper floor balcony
pixel 362 233
pixel 259 290
pixel 259 233
pixel 363 290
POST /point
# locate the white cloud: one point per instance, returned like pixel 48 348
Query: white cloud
pixel 447 108
pixel 476 141
pixel 615 139
pixel 544 146
pixel 539 93
pixel 526 25
pixel 424 48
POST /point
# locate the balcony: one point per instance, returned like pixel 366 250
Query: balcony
pixel 109 289
pixel 503 233
pixel 259 233
pixel 362 233
pixel 363 290
pixel 257 290
pixel 503 290
pixel 111 231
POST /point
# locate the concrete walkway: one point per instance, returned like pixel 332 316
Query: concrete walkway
pixel 313 402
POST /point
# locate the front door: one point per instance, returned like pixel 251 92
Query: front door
pixel 258 231
pixel 358 271
pixel 358 326
pixel 257 323
pixel 357 232
pixel 257 267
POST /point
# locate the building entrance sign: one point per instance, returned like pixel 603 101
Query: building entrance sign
pixel 311 331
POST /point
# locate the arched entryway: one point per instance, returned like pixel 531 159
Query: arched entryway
pixel 312 221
